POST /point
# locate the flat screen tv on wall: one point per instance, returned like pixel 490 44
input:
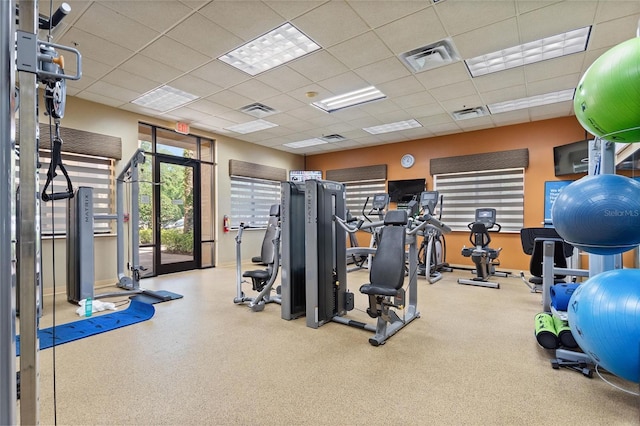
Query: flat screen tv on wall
pixel 571 158
pixel 402 191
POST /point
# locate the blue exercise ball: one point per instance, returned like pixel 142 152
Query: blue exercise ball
pixel 599 214
pixel 604 316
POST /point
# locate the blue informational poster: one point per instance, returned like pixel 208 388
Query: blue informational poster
pixel 551 191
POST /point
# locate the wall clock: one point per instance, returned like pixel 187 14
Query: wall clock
pixel 407 161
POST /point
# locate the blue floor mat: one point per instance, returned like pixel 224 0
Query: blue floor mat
pixel 65 333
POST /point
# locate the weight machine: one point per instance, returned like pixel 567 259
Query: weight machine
pixel 80 240
pixel 315 285
pixel 262 279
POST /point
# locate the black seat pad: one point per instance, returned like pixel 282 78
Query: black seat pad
pixel 378 290
pixel 261 274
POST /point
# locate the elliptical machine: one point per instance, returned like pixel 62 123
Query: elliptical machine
pixel 433 250
pixel 262 279
pixel 484 257
pixel 360 256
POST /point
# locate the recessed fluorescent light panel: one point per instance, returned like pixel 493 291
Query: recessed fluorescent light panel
pixel 393 127
pixel 546 48
pixel 346 100
pixel 251 126
pixel 532 101
pixel 305 143
pixel 270 50
pixel 164 98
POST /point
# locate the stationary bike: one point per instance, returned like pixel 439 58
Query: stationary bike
pixel 484 257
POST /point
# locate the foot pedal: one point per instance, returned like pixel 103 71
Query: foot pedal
pixel 349 301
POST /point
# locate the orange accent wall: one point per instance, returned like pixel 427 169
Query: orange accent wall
pixel 539 137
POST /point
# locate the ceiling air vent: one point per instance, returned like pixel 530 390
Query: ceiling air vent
pixel 432 56
pixel 466 113
pixel 258 110
pixel 333 138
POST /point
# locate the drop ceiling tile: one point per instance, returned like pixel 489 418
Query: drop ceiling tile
pixel 611 33
pixel 506 94
pixel 360 50
pixel 415 30
pixel 208 107
pixel 610 10
pixel 94 47
pixel 210 39
pixel 103 88
pixel 237 116
pixel 463 16
pixel 462 103
pixel 331 23
pixel 254 89
pixel 194 4
pixel 169 51
pixel 437 119
pixel 100 99
pixel 553 84
pixel 130 81
pixel 383 71
pixel 511 117
pixel 500 80
pixel 229 99
pixel 292 9
pixel 306 113
pixel 453 91
pixel 318 65
pixel 475 123
pixel 101 22
pixel 189 115
pixel 488 39
pixel 555 19
pixel 382 107
pixel 429 111
pixel 79 85
pixel 349 115
pixel 378 13
pixel 220 74
pixel 343 83
pixel 554 67
pixel 284 119
pixel 444 129
pixel 551 111
pixel 150 69
pixel 413 100
pixel 90 68
pixel 524 6
pixel 443 76
pixel 283 103
pixel 247 19
pixel 418 133
pixel 321 121
pixel 283 78
pixel 195 85
pixel 157 18
pixel 310 93
pixel 401 86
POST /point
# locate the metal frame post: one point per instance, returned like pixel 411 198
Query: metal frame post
pixel 7 215
pixel 29 250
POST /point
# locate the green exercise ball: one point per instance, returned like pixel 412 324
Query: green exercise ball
pixel 607 100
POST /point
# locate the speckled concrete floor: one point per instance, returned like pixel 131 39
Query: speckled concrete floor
pixel 471 359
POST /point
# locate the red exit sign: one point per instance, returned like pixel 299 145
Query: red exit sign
pixel 182 128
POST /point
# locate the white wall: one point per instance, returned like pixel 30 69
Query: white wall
pixel 84 115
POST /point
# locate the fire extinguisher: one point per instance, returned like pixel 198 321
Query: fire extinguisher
pixel 226 224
